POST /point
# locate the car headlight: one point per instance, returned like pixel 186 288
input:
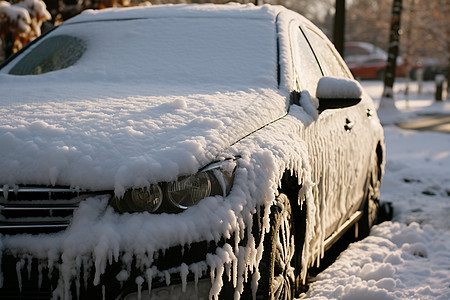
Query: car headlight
pixel 190 190
pixel 215 179
pixel 142 199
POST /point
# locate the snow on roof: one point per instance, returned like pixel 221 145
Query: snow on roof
pixel 230 10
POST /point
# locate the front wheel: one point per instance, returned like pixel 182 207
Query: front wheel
pixel 276 268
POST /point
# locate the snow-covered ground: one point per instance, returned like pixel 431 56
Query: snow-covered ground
pixel 408 257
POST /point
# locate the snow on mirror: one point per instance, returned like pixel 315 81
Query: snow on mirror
pixel 338 93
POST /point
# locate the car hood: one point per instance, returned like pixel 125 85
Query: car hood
pixel 101 137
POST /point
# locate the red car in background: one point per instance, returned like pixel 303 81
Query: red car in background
pixel 367 61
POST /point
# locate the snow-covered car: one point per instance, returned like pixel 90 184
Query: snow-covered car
pixel 189 151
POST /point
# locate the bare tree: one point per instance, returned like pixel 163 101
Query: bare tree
pixel 368 21
pixel 339 26
pixel 388 112
pixel 393 49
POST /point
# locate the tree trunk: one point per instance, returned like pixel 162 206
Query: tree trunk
pixel 389 74
pixel 339 27
pixel 387 111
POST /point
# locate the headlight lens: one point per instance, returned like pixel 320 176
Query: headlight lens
pixel 139 200
pixel 215 179
pixel 190 190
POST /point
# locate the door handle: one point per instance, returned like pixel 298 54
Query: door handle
pixel 349 125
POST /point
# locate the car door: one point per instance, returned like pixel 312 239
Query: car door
pixel 332 138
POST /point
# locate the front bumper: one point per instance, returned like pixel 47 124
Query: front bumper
pixel 26 278
pixel 188 291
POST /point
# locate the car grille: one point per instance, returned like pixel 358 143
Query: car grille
pixel 38 209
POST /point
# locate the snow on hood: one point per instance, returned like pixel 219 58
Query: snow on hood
pixel 169 96
pixel 106 142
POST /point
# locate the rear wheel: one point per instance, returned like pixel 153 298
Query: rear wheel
pixel 277 266
pixel 372 202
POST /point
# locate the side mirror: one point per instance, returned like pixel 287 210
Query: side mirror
pixel 336 93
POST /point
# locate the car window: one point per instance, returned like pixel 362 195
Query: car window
pixel 375 61
pixel 328 57
pixel 356 51
pixel 55 53
pixel 307 69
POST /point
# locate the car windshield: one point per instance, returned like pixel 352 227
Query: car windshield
pixel 55 53
pixel 169 50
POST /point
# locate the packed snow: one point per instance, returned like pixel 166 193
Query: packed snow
pixel 408 257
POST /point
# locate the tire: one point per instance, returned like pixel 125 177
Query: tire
pixel 371 208
pixel 277 266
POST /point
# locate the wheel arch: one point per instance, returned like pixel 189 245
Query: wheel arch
pixel 380 154
pixel 291 186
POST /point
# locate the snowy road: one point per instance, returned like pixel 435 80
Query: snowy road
pixel 427 122
pixel 408 257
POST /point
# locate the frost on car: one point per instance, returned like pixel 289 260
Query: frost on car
pixel 189 151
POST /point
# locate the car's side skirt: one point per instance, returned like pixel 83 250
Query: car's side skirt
pixel 342 229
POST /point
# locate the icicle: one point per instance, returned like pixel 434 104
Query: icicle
pixel 184 271
pixel 87 263
pixel 19 266
pixel 139 281
pixel 167 277
pixel 29 264
pixel 255 279
pixel 5 191
pixel 235 268
pixel 122 276
pixel 50 265
pixel 149 273
pixel 195 268
pixel 57 293
pixel 66 276
pixel 78 275
pixel 40 275
pixel 53 175
pixel 228 271
pixel 217 283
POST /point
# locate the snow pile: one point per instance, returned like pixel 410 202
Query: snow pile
pixel 408 257
pixel 388 264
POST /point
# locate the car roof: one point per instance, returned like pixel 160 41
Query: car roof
pixel 232 10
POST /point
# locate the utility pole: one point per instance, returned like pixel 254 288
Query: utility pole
pixel 339 27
